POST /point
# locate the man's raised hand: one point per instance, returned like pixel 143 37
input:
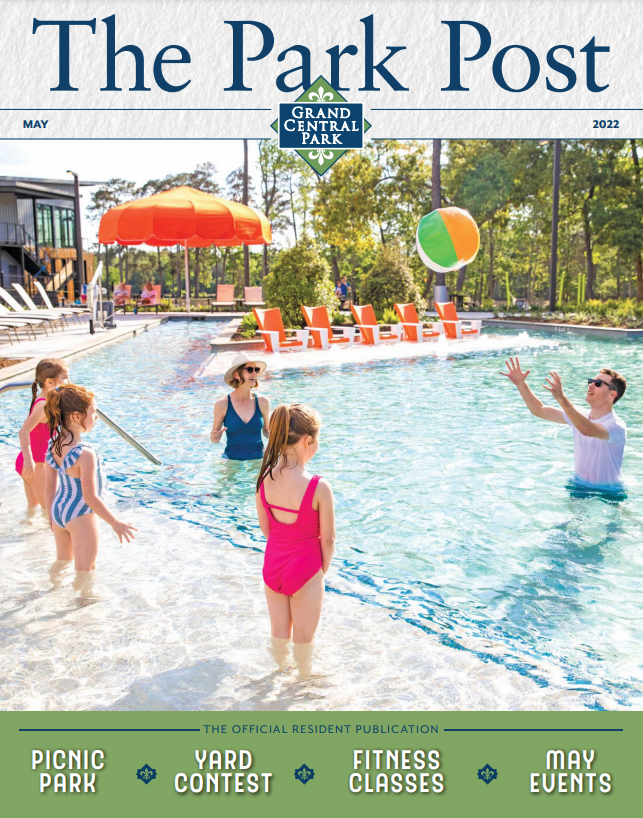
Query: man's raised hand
pixel 515 373
pixel 555 386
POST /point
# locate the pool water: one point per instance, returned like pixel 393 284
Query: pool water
pixel 460 543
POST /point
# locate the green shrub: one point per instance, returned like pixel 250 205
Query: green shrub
pixel 488 305
pixel 389 317
pixel 248 326
pixel 338 319
pixel 300 275
pixel 389 281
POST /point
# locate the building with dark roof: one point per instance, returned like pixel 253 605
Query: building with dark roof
pixel 37 235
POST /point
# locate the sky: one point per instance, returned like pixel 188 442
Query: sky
pixel 135 160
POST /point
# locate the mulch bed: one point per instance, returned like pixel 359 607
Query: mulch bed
pixel 9 362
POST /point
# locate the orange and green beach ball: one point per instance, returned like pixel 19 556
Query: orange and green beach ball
pixel 447 239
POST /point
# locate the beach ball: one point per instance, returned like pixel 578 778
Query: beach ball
pixel 447 239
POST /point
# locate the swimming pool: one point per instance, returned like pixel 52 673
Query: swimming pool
pixel 459 542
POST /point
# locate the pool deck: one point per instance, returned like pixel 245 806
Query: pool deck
pixel 617 333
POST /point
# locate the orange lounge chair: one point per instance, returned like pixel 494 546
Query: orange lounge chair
pixel 321 330
pixel 453 326
pixel 414 329
pixel 372 332
pixel 271 327
pixel 253 296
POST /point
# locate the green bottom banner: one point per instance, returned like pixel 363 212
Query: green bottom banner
pixel 272 762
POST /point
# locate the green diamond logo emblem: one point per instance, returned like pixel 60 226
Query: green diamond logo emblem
pixel 324 99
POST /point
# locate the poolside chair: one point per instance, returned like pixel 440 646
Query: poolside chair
pixel 33 307
pixel 453 326
pixel 271 327
pixel 414 329
pixel 371 332
pixel 19 321
pixel 21 312
pixel 123 301
pixel 321 330
pixel 253 296
pixel 157 290
pixel 225 296
pixel 47 301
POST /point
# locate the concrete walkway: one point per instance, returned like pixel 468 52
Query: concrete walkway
pixel 75 340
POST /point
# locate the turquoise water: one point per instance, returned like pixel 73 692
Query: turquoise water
pixel 454 512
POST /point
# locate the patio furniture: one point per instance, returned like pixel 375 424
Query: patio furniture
pixel 21 312
pixel 253 296
pixel 17 321
pixel 31 305
pixel 453 326
pixel 371 332
pixel 414 329
pixel 47 301
pixel 138 306
pixel 123 301
pixel 321 330
pixel 271 327
pixel 225 297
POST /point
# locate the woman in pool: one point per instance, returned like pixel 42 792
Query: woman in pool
pixel 243 414
pixel 297 516
pixel 74 485
pixel 34 434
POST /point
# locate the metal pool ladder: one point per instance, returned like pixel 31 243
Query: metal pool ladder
pixel 105 418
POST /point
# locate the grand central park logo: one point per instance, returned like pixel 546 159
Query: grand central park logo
pixel 321 125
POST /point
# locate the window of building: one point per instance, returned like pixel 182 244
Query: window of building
pixel 45 225
pixel 65 227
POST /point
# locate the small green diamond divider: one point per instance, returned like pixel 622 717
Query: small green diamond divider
pixel 320 159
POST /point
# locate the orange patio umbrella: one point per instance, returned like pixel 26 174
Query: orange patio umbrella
pixel 184 216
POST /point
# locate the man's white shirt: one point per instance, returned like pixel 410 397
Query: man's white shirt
pixel 598 462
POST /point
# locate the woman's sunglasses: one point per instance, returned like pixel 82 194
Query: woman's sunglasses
pixel 252 369
pixel 599 382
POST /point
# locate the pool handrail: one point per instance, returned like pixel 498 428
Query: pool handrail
pixel 5 387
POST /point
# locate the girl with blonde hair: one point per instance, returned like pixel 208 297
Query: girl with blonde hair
pixel 297 516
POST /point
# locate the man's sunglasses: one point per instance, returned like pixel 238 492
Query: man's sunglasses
pixel 258 369
pixel 599 382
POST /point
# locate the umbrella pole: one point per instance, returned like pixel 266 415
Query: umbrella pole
pixel 187 280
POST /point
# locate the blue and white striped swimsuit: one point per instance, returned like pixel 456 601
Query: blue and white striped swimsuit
pixel 69 502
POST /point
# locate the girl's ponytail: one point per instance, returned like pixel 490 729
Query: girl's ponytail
pixel 34 394
pixel 277 442
pixel 288 424
pixel 53 416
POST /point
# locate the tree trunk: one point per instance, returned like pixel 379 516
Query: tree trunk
pixel 589 252
pixel 462 274
pixel 436 193
pixel 639 277
pixel 491 282
pixel 246 252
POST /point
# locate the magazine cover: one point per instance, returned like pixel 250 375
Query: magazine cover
pixel 314 492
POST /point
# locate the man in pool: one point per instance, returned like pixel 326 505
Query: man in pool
pixel 599 434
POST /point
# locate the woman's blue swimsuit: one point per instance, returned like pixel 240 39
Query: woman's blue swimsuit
pixel 243 439
pixel 69 502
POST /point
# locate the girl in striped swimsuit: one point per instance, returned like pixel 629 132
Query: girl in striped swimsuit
pixel 74 486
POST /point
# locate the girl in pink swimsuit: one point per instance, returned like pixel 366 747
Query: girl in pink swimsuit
pixel 297 516
pixel 34 434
